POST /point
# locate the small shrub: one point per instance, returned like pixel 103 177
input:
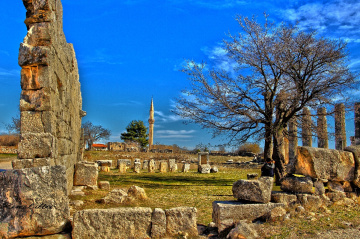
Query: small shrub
pixel 9 140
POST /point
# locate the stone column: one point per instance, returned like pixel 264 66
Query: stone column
pixel 357 123
pixel 203 158
pixel 293 139
pixel 306 128
pixel 340 133
pixel 322 132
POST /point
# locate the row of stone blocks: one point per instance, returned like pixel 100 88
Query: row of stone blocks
pixel 150 165
pixel 34 201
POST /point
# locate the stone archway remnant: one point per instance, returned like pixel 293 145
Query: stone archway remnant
pixel 50 102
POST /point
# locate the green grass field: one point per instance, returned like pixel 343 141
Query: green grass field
pixel 167 190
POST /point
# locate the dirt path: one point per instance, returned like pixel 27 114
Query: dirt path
pixel 5 164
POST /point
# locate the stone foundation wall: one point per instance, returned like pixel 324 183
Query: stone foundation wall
pixel 50 102
pixel 8 150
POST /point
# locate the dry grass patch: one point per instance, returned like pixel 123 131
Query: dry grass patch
pixel 168 190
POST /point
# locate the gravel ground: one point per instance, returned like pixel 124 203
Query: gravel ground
pixel 339 234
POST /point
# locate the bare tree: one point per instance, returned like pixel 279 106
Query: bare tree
pixel 280 70
pixel 14 126
pixel 93 133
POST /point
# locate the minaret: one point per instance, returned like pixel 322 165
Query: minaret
pixel 151 124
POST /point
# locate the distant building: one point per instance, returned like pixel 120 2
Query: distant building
pixel 159 148
pixel 215 152
pixel 124 146
pixel 100 147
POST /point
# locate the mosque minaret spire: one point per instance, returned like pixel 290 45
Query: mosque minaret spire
pixel 151 124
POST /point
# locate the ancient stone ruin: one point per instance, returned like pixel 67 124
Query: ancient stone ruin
pixel 34 196
pixel 50 103
pixel 317 177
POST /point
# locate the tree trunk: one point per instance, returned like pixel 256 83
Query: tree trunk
pixel 278 155
pixel 268 147
pixel 90 143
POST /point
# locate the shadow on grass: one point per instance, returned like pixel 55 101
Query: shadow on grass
pixel 158 180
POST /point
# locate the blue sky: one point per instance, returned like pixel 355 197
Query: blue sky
pixel 131 50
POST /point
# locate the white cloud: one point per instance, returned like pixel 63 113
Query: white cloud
pixel 214 4
pixel 337 17
pixel 219 58
pixel 126 103
pixel 6 72
pixel 6 53
pixel 177 134
pixel 189 63
pixel 161 117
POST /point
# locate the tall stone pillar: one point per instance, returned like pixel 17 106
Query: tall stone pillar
pixel 340 133
pixel 50 101
pixel 357 123
pixel 293 139
pixel 151 125
pixel 306 128
pixel 322 132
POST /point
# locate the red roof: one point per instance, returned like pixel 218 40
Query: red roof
pixel 99 145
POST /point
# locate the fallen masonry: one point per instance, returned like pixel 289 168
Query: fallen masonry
pixel 134 222
pixel 34 202
pixel 226 213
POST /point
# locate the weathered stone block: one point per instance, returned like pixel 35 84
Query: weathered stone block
pixel 35 100
pixel 163 167
pixel 335 186
pixel 86 173
pixel 336 196
pixel 310 202
pixel 137 192
pixel 214 169
pixel 253 190
pixel 152 166
pixel 181 219
pixel 107 163
pixel 122 167
pixel 172 165
pixel 251 176
pixel 203 158
pixel 33 55
pixel 105 169
pixel 31 122
pixel 40 34
pixel 327 164
pixel 319 187
pixel 186 168
pixel 276 214
pixel 29 78
pixel 36 146
pixel 137 167
pixel 297 184
pixel 243 230
pixel 226 213
pixel 127 162
pixel 158 223
pixel 284 198
pixel 356 153
pixel 112 223
pixel 33 201
pixel 115 196
pixel 204 168
pixel 105 185
pixel 32 163
pixel 145 165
